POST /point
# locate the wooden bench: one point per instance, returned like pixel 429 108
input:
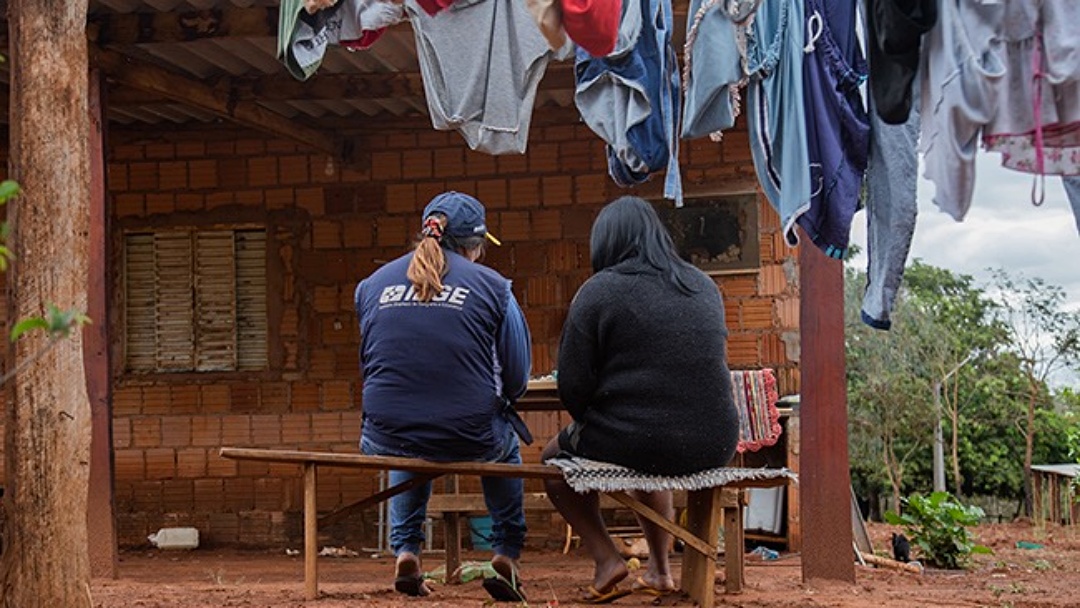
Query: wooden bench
pixel 706 509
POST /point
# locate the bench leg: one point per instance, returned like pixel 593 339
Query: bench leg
pixel 311 529
pixel 703 521
pixel 452 521
pixel 733 547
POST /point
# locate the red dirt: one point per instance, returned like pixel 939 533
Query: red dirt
pixel 1012 577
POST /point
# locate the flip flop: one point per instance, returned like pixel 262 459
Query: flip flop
pixel 409 580
pixel 503 590
pixel 643 587
pixel 612 593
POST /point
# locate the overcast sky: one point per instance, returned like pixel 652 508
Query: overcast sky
pixel 1002 229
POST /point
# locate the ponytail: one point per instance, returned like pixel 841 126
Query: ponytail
pixel 428 265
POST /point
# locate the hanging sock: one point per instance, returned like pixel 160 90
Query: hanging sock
pixel 1072 190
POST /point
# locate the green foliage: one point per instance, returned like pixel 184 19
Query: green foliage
pixel 57 323
pixel 9 189
pixel 938 525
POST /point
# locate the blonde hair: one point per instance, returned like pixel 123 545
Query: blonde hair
pixel 428 266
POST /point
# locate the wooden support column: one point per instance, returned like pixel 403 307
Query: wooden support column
pixel 311 534
pixel 99 509
pixel 825 482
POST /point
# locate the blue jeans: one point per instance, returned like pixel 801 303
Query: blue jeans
pixel 502 495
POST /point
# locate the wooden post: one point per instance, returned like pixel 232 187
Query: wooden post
pixel 734 542
pixel 311 534
pixel 825 482
pixel 452 521
pixel 99 515
pixel 703 521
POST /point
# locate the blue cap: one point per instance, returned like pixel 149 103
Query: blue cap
pixel 464 215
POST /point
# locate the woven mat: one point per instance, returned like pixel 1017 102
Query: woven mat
pixel 755 397
pixel 586 475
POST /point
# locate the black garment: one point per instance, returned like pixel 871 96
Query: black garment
pixel 895 29
pixel 643 372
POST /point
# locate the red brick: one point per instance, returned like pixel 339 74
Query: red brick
pixel 173 175
pixel 773 350
pixel 160 203
pixel 190 149
pixel 577 223
pixel 492 192
pixel 143 176
pixel 357 233
pixel 562 256
pixel 757 313
pixel 305 397
pixel 160 464
pixel 449 162
pixel 224 147
pixel 479 164
pixel 574 156
pixel 262 171
pixel 216 466
pixel 206 431
pixel 514 226
pixel 202 174
pixel 591 189
pixel 191 463
pixel 544 291
pixel 175 431
pixel 128 152
pixel 385 166
pixel 326 428
pixel 326 235
pixel 127 401
pixel 121 433
pixel 281 146
pixel 266 431
pixel 189 201
pixel 146 432
pixel 127 204
pixel 512 164
pixel 392 231
pixel 743 350
pixel 128 465
pixel 245 398
pixel 236 430
pixel 269 493
pixel 738 286
pixel 295 430
pixel 219 199
pixel 400 198
pixel 787 312
pixel 557 190
pixel 529 260
pixel 184 399
pixel 215 398
pixel 524 192
pixel 117 176
pixel 249 147
pixel 160 150
pixel 240 494
pixel 546 224
pixel 209 495
pixel 293 169
pixel 336 395
pixel 416 164
pixel 736 146
pixel 543 157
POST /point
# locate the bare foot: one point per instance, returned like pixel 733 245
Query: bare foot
pixel 408 578
pixel 609 573
pixel 655 583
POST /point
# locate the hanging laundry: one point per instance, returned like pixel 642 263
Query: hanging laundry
pixel 481 61
pixel 434 7
pixel 303 37
pixel 548 17
pixel 962 64
pixel 1037 124
pixel 837 128
pixel 714 60
pixel 631 97
pixel 894 31
pixel 1072 191
pixel 593 24
pixel 776 111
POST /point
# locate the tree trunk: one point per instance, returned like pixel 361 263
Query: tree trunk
pixel 954 413
pixel 1029 444
pixel 47 442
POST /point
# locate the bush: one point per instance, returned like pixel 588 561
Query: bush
pixel 938 526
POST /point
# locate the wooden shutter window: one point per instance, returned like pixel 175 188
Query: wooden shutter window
pixel 215 301
pixel 174 318
pixel 140 330
pixel 251 321
pixel 195 301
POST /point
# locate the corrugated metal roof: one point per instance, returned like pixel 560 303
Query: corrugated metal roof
pixel 218 59
pixel 1065 470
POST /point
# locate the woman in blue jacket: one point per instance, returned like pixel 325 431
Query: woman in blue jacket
pixel 444 353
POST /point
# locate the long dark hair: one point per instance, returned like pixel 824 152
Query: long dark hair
pixel 628 228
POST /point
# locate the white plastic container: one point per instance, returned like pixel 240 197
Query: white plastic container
pixel 175 538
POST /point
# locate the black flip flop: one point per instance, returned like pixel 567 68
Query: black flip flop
pixel 410 584
pixel 502 590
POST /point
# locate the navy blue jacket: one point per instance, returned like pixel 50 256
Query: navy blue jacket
pixel 438 375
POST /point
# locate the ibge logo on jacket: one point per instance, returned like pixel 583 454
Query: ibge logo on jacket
pixel 405 295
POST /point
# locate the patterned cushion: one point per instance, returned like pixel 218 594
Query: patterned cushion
pixel 586 475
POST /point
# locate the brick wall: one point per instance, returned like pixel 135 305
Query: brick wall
pixel 329 226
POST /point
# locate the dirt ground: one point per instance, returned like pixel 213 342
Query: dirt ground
pixel 1047 575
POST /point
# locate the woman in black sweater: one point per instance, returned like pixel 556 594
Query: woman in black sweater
pixel 643 372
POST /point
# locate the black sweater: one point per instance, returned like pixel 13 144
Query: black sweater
pixel 644 368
